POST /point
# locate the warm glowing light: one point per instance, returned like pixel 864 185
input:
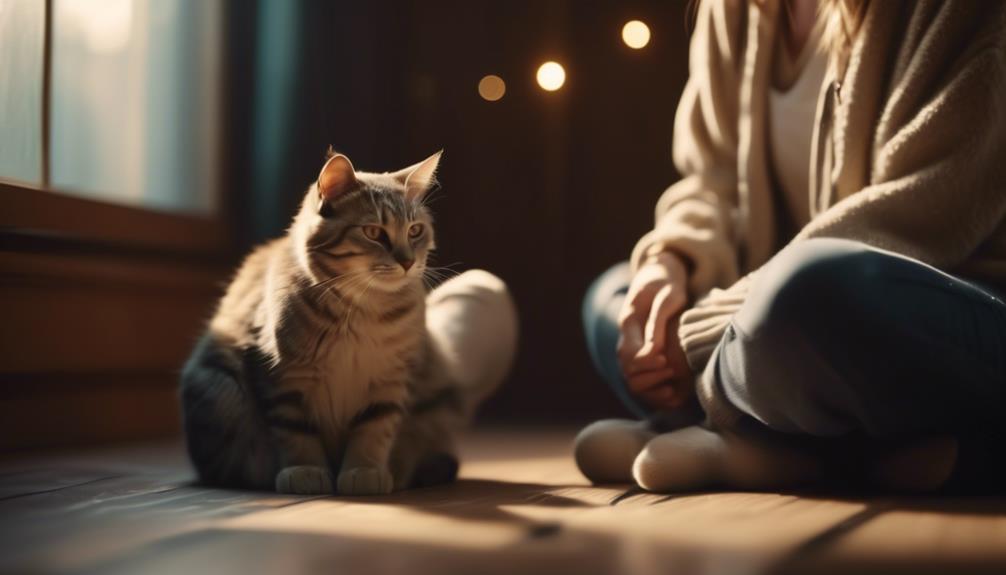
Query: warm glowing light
pixel 551 76
pixel 492 88
pixel 635 34
pixel 107 24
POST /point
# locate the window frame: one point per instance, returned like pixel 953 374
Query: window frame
pixel 43 211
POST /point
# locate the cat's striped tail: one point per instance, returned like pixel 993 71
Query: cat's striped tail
pixel 227 439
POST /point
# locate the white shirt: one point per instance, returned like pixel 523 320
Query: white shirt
pixel 792 111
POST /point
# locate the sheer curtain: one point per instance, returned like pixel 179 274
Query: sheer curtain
pixel 135 101
pixel 22 39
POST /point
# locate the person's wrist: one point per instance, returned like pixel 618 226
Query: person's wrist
pixel 667 257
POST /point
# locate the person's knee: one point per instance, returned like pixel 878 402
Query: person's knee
pixel 477 288
pixel 497 312
pixel 806 287
pixel 476 283
pixel 473 319
pixel 605 450
pixel 600 323
pixel 800 301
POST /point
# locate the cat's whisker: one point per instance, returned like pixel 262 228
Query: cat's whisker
pixel 342 294
pixel 443 268
pixel 427 283
pixel 433 274
pixel 457 263
pixel 430 196
pixel 431 259
pixel 349 316
pixel 345 293
pixel 336 278
pixel 340 283
pixel 440 273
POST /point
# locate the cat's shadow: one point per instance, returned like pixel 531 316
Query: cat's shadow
pixel 485 501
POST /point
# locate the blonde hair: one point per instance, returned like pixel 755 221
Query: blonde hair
pixel 842 20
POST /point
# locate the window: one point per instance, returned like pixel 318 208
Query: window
pixel 111 115
pixel 22 40
pixel 134 101
pixel 132 105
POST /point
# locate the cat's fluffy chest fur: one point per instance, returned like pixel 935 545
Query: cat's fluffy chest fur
pixel 344 353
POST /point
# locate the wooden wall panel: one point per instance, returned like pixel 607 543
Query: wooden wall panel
pixel 86 314
pixel 92 341
pixel 76 410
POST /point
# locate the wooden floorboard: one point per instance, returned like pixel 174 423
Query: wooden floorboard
pixel 520 506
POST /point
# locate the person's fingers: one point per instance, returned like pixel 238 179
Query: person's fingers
pixel 679 396
pixel 666 306
pixel 660 397
pixel 668 303
pixel 656 321
pixel 669 395
pixel 641 382
pixel 630 339
pixel 652 355
pixel 641 362
pixel 654 297
pixel 675 354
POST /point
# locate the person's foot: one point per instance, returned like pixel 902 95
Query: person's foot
pixel 684 460
pixel 697 458
pixel 604 450
pixel 969 464
pixel 919 466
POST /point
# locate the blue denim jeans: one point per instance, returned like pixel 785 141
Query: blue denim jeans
pixel 600 325
pixel 836 337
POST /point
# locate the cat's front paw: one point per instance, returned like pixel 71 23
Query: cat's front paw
pixel 304 480
pixel 365 481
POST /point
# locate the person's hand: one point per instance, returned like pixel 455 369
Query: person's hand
pixel 667 387
pixel 681 382
pixel 648 348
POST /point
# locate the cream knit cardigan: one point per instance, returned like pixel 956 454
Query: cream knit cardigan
pixel 909 153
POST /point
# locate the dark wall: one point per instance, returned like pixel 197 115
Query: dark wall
pixel 544 189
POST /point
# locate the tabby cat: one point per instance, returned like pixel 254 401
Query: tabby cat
pixel 318 372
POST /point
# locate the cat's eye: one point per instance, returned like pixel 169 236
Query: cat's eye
pixel 372 232
pixel 415 230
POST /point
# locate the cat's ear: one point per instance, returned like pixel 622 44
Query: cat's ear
pixel 336 178
pixel 418 179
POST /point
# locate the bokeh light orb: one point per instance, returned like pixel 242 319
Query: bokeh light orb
pixel 551 76
pixel 492 88
pixel 636 34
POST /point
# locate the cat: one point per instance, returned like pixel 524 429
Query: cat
pixel 322 371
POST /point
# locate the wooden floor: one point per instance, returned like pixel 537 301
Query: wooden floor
pixel 520 507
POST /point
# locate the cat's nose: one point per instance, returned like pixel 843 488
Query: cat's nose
pixel 406 264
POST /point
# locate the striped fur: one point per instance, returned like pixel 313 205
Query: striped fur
pixel 305 379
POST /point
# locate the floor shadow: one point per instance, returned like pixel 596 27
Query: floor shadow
pixel 483 500
pixel 807 557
